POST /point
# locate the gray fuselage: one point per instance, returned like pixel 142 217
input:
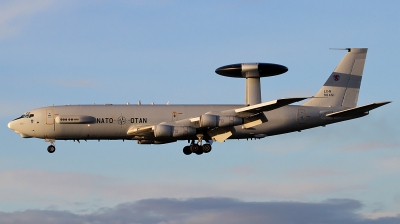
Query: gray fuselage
pixel 114 121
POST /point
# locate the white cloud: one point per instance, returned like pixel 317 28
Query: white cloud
pixel 14 15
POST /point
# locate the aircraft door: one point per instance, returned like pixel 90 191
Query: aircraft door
pixel 32 122
pixel 301 116
pixel 49 117
pixel 175 116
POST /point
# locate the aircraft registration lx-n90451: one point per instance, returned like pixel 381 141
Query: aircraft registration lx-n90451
pixel 336 101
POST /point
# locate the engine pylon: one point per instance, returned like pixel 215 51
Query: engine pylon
pixel 252 72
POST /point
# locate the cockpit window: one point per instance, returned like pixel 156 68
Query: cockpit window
pixel 25 115
pixel 19 118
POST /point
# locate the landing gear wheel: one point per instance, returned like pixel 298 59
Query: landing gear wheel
pixel 200 150
pixel 194 148
pixel 207 148
pixel 51 148
pixel 186 150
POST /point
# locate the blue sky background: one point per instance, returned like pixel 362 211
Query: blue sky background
pixel 74 52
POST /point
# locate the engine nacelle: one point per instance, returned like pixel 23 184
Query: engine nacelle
pixel 173 131
pixel 229 121
pixel 209 120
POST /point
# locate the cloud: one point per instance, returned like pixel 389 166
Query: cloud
pixel 390 164
pixel 15 14
pixel 379 215
pixel 80 190
pixel 208 210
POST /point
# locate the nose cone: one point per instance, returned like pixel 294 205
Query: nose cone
pixel 11 125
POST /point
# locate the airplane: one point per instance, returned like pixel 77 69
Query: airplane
pixel 335 102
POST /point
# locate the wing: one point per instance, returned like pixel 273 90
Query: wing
pixel 267 106
pixel 219 125
pixel 252 116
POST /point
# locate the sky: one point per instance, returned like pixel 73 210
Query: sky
pixel 85 52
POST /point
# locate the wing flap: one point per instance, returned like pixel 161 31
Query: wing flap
pixel 357 110
pixel 255 120
pixel 221 134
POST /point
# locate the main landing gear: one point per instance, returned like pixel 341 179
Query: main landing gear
pixel 198 147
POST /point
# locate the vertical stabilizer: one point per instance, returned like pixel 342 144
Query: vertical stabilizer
pixel 342 87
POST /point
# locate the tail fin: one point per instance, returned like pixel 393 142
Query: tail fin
pixel 342 87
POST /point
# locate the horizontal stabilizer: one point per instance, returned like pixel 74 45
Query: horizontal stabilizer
pixel 357 110
pixel 270 105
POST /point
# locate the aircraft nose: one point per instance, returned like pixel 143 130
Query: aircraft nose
pixel 10 125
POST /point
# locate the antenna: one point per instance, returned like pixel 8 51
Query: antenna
pixel 253 72
pixel 340 49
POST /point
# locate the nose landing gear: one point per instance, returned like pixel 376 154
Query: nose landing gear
pixel 51 148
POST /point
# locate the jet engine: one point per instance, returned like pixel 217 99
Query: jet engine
pixel 209 120
pixel 173 131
